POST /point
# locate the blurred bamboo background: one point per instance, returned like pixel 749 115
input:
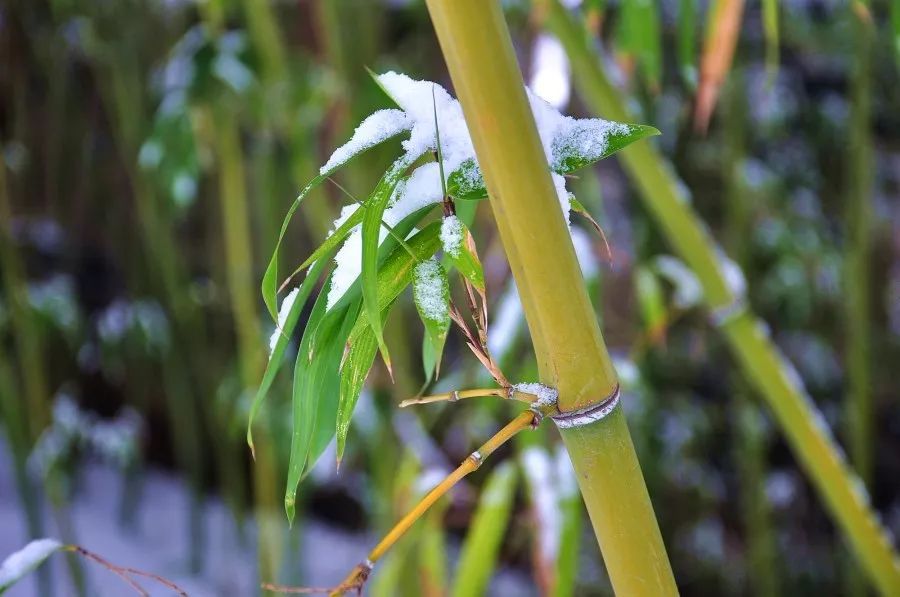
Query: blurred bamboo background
pixel 151 147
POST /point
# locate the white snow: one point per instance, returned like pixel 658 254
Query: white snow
pixel 419 101
pixel 584 250
pixel 286 305
pixel 546 396
pixel 451 235
pixel 506 323
pixel 378 127
pixel 734 276
pixel 565 474
pixel 428 290
pixel 551 74
pixel 545 501
pixel 25 560
pixel 688 292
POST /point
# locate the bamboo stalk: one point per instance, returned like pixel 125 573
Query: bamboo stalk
pixel 571 354
pixel 763 364
pixel 857 270
pixel 750 445
pixel 239 274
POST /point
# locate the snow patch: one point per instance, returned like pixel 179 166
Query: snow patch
pixel 451 235
pixel 286 305
pixel 378 127
pixel 428 290
pixel 546 396
pixel 26 559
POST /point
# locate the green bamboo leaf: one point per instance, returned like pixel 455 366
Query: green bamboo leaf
pixel 478 558
pixel 593 139
pixel 393 277
pixel 639 35
pixel 431 294
pixel 330 243
pixel 316 383
pixel 351 151
pixel 770 29
pixel 371 229
pixel 687 42
pixel 270 277
pixel 282 341
pixel 20 563
pixel 651 300
pixel 572 510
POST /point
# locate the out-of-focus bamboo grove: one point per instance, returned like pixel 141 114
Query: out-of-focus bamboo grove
pixel 149 150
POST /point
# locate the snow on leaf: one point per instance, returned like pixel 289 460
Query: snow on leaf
pixel 20 563
pixel 379 126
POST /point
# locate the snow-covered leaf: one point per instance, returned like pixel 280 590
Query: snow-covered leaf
pixel 459 247
pixel 393 277
pixel 431 294
pixel 371 236
pixel 288 316
pixel 20 563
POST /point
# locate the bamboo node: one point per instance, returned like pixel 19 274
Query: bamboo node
pixel 476 459
pixel 588 414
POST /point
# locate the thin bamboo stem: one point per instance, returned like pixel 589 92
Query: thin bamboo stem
pixel 571 354
pixel 765 367
pixel 360 573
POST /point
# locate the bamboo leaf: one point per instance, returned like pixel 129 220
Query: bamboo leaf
pixel 722 31
pixel 687 45
pixel 371 230
pixel 770 29
pixel 270 277
pixel 315 381
pixel 478 558
pixel 393 277
pixel 639 35
pixel 281 344
pixel 593 139
pixel 431 294
pixel 350 151
pixel 20 563
pixel 330 243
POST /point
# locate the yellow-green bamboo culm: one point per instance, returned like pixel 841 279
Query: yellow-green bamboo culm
pixel 570 351
pixel 766 369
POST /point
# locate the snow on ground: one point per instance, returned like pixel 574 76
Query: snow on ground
pixel 159 544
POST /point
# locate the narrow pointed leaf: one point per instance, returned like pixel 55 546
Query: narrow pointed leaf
pixel 283 339
pixel 330 243
pixel 315 388
pixel 593 139
pixel 431 294
pixel 371 231
pixel 394 125
pixel 20 563
pixel 639 35
pixel 270 277
pixel 770 29
pixel 687 44
pixel 393 277
pixel 478 559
